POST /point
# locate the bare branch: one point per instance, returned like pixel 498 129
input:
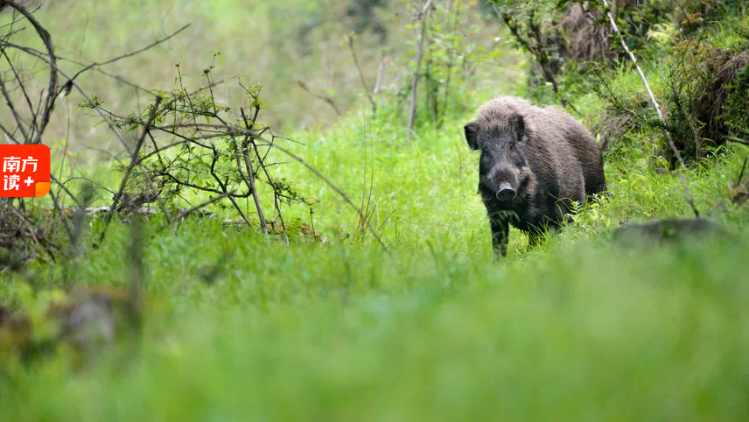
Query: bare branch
pixel 379 76
pixel 58 208
pixel 689 195
pixel 127 55
pixel 655 105
pixel 17 76
pixel 361 76
pixel 644 81
pixel 185 213
pixel 52 90
pixel 13 22
pixel 31 229
pixel 417 73
pixel 99 110
pixel 9 101
pixel 250 181
pixel 341 193
pixel 737 140
pixel 325 98
pixel 133 163
pixel 741 173
pixel 262 164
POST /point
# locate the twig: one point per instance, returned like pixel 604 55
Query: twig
pixel 51 92
pixel 737 140
pixel 655 105
pixel 361 76
pixel 387 217
pixel 239 210
pixel 131 54
pixel 312 222
pixel 9 136
pixel 420 54
pixel 538 51
pixel 366 208
pixel 250 180
pixel 341 193
pixel 741 173
pixel 62 185
pixel 262 164
pixel 9 102
pixel 644 81
pixel 58 208
pixel 185 213
pixel 13 22
pixel 133 163
pixel 376 90
pixel 31 228
pixel 52 63
pixel 325 98
pixel 18 78
pixel 379 76
pixel 689 195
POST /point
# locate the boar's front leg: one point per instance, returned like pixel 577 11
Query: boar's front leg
pixel 500 236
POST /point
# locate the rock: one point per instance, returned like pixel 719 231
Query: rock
pixel 674 230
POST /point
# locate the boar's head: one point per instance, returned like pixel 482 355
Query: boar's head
pixel 503 168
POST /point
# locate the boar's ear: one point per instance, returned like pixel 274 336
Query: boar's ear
pixel 518 125
pixel 472 132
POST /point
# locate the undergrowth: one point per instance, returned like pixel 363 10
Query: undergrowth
pixel 323 324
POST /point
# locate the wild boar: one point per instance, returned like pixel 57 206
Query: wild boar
pixel 534 163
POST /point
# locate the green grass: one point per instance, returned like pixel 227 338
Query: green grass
pixel 434 329
pixel 308 333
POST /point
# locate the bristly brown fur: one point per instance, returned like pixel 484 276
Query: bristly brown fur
pixel 561 163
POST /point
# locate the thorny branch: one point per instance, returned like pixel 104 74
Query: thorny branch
pixel 161 166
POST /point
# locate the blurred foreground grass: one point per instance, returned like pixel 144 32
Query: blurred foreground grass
pixel 348 333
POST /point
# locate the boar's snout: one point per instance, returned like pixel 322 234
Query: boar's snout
pixel 506 192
